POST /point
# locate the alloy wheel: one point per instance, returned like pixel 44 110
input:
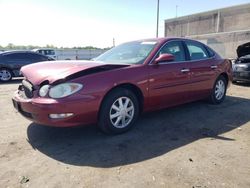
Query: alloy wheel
pixel 122 112
pixel 5 75
pixel 219 89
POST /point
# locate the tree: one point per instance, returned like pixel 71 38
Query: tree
pixel 10 46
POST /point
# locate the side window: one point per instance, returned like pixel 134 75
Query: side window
pixel 196 51
pixel 210 51
pixel 46 52
pixel 175 48
pixel 50 52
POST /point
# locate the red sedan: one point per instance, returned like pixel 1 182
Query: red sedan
pixel 117 86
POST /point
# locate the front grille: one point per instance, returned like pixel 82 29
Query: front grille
pixel 27 88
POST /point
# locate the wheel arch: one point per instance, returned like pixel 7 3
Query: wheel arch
pixel 8 68
pixel 5 67
pixel 132 87
pixel 225 76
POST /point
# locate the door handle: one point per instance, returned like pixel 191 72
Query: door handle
pixel 185 70
pixel 214 66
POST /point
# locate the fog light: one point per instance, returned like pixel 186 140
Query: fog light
pixel 60 116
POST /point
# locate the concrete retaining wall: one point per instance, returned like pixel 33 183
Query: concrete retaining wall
pixel 222 29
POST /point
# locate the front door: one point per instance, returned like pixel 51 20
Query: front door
pixel 169 81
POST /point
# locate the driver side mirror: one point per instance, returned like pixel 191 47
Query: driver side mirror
pixel 164 58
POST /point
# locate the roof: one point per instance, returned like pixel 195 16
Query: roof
pixel 159 40
pixel 42 49
pixel 17 51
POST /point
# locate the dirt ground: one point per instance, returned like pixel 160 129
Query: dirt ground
pixel 195 145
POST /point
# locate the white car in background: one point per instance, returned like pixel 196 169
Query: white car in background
pixel 48 52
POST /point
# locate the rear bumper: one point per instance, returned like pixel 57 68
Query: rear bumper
pixel 85 110
pixel 241 76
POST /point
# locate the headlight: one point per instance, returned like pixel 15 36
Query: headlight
pixel 44 90
pixel 64 90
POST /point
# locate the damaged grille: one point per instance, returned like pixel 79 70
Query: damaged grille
pixel 27 89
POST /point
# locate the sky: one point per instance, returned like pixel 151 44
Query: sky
pixel 69 23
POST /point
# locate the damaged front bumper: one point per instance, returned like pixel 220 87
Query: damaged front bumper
pixel 42 110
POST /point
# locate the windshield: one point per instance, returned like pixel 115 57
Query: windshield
pixel 128 53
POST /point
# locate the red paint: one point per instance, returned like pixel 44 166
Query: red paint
pixel 162 85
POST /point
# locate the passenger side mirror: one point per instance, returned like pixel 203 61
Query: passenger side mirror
pixel 164 58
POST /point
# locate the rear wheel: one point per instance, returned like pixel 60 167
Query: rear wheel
pixel 5 75
pixel 219 90
pixel 118 112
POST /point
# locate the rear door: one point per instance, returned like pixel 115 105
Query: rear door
pixel 169 81
pixel 202 70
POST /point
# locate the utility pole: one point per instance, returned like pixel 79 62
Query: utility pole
pixel 157 22
pixel 176 11
pixel 113 42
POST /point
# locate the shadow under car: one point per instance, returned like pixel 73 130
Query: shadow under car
pixel 154 134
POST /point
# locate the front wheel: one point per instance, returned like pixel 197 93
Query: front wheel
pixel 118 112
pixel 219 90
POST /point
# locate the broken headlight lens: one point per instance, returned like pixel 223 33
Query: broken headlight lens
pixel 64 90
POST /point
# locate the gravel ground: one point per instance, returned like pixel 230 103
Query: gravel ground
pixel 193 145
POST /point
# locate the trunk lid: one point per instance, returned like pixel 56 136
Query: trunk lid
pixel 243 50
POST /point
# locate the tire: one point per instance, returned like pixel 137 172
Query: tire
pixel 5 75
pixel 118 112
pixel 219 91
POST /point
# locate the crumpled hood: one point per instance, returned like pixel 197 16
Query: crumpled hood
pixel 243 49
pixel 55 70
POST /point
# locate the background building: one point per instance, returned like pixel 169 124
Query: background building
pixel 222 29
